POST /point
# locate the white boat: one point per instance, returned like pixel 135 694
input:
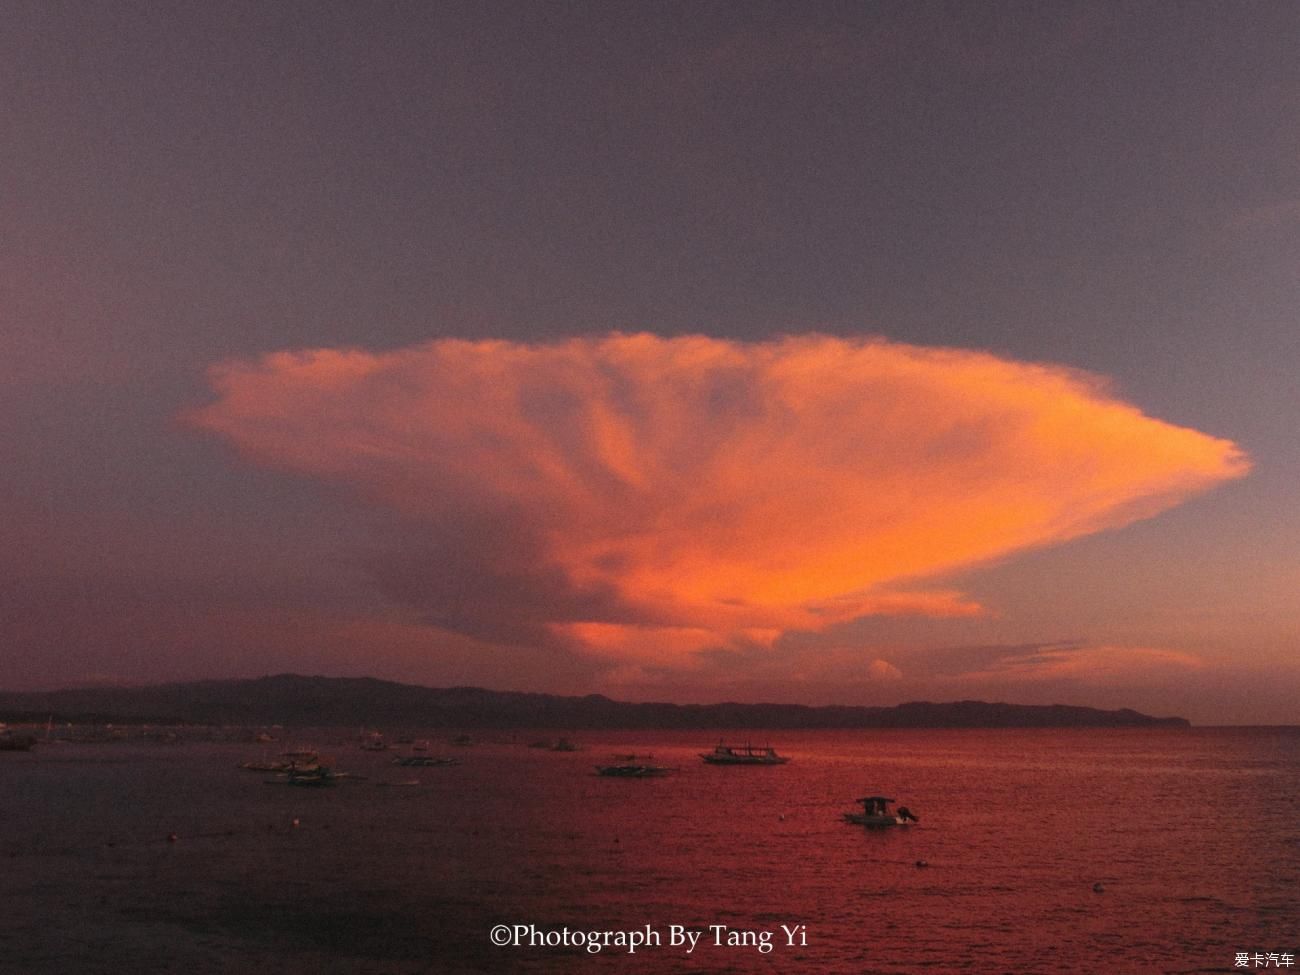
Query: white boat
pixel 876 812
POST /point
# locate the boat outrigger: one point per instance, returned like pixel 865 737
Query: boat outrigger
pixel 876 812
pixel 743 755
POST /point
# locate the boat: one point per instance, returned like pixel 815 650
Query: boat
pixel 423 761
pixel 9 742
pixel 296 761
pixel 309 776
pixel 876 812
pixel 314 778
pixel 564 745
pixel 743 755
pixel 633 771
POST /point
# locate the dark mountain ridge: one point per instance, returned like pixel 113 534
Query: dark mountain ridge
pixel 290 699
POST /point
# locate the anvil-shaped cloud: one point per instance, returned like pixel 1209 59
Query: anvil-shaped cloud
pixel 643 497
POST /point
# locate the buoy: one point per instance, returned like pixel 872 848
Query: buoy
pixel 294 824
pixel 781 817
pixel 1098 888
pixel 172 837
pixel 922 863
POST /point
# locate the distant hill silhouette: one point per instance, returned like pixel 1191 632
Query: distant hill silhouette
pixel 290 699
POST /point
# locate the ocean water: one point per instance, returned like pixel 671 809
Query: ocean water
pixel 1192 835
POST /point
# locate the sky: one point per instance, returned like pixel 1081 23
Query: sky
pixel 833 353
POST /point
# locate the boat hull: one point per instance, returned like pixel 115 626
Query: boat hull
pixel 632 771
pixel 742 760
pixel 858 819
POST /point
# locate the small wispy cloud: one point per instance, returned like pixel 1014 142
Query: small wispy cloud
pixel 883 670
pixel 1105 664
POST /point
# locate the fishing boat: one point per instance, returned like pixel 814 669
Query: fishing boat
pixel 743 755
pixel 876 812
pixel 633 771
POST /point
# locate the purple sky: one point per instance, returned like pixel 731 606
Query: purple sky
pixel 1111 188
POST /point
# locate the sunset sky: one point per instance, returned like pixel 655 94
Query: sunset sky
pixel 828 353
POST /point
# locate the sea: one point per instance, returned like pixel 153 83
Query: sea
pixel 1168 850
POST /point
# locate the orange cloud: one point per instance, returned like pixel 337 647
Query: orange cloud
pixel 644 496
pixel 883 670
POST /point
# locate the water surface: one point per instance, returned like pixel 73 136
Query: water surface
pixel 1192 835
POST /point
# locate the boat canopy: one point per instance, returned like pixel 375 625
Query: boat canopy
pixel 875 799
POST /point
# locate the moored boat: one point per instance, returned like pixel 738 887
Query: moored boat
pixel 633 771
pixel 423 761
pixel 295 761
pixel 9 742
pixel 746 754
pixel 876 812
pixel 315 778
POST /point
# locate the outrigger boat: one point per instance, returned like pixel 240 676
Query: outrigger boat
pixel 317 777
pixel 633 771
pixel 314 774
pixel 875 812
pixel 423 761
pixel 743 755
pixel 297 761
